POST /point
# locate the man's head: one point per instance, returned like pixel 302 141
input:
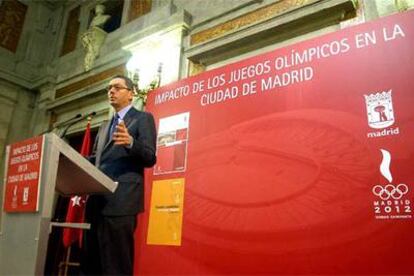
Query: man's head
pixel 120 92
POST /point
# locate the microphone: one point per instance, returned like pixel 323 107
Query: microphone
pixel 64 122
pixel 71 119
pixel 79 118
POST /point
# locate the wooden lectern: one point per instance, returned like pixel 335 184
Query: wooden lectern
pixel 24 235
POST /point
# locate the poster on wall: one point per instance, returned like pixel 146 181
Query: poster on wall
pixel 296 161
pixel 166 213
pixel 23 172
pixel 172 144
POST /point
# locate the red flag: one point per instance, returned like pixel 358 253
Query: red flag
pixel 76 209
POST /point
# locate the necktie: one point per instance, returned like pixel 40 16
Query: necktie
pixel 113 126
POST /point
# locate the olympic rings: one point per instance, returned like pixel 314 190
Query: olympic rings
pixel 390 191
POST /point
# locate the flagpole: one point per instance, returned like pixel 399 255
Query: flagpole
pixel 76 210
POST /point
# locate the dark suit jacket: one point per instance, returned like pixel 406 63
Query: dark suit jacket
pixel 124 165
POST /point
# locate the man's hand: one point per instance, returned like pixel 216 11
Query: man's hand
pixel 121 135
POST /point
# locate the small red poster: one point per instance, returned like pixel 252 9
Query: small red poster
pixel 23 170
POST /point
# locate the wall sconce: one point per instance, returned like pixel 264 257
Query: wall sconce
pixel 145 75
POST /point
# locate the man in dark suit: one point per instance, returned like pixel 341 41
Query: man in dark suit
pixel 123 147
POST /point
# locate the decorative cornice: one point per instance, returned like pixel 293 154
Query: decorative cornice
pixel 258 15
pixel 75 86
pixel 313 16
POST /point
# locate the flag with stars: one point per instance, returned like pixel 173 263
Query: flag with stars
pixel 76 209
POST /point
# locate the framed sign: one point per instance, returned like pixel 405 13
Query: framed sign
pixel 23 173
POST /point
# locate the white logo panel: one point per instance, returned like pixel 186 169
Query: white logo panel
pixel 380 111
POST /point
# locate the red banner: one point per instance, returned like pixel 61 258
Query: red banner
pixel 296 161
pixel 23 175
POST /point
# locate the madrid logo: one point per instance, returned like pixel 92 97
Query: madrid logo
pixel 379 109
pixel 380 114
pixel 392 200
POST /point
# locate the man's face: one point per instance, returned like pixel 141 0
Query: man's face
pixel 119 95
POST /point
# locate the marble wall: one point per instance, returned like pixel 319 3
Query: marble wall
pixel 17 106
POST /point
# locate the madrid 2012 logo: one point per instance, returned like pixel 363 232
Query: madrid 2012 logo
pixel 392 199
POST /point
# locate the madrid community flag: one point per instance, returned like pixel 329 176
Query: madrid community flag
pixel 76 209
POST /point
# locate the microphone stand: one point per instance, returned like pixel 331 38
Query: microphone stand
pixel 63 134
pixel 64 122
